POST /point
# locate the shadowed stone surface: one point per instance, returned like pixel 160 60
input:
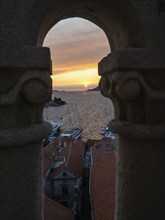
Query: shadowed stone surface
pixel 133 76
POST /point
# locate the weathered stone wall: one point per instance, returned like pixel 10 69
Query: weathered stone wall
pixel 132 76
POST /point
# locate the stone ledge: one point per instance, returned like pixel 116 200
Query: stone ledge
pixel 133 59
pixel 20 136
pixel 28 57
pixel 137 131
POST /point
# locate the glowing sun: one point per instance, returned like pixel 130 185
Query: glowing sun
pixel 86 86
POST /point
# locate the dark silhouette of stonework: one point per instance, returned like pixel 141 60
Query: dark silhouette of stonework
pixel 133 76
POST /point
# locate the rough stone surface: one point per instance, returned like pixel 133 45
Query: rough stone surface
pixel 133 76
pixel 21 178
pixel 140 59
pixel 140 178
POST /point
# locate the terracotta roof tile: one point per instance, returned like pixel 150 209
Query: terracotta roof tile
pixel 91 142
pixel 74 152
pixel 55 211
pixel 50 149
pixel 75 160
pixel 103 176
pixel 101 150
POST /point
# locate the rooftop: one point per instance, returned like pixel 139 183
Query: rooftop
pixel 103 174
pixel 72 150
pixel 55 211
pixel 101 150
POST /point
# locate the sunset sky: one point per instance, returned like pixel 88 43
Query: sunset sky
pixel 77 46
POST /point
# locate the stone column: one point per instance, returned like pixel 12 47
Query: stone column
pixel 135 81
pixel 25 87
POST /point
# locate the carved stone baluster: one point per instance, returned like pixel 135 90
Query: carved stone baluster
pixel 22 129
pixel 135 81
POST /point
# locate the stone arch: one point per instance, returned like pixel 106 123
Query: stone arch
pixel 125 79
pixel 119 21
pixel 136 31
pixel 85 50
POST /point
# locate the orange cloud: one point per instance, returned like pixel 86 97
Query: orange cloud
pixel 76 45
pixel 77 78
pixel 70 68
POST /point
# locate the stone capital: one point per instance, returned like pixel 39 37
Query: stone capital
pixel 25 88
pixel 134 79
pixel 141 59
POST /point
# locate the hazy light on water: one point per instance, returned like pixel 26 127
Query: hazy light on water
pixel 73 88
pixel 95 111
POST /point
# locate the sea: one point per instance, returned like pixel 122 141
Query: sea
pixel 88 109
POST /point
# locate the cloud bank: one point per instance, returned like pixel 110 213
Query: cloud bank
pixel 76 44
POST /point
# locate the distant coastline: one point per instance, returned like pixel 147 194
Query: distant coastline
pixel 94 89
pixel 79 90
pixel 76 89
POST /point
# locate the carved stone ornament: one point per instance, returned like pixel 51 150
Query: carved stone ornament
pixel 22 102
pixel 138 104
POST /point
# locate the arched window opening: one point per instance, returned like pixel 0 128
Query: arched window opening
pixel 76 46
